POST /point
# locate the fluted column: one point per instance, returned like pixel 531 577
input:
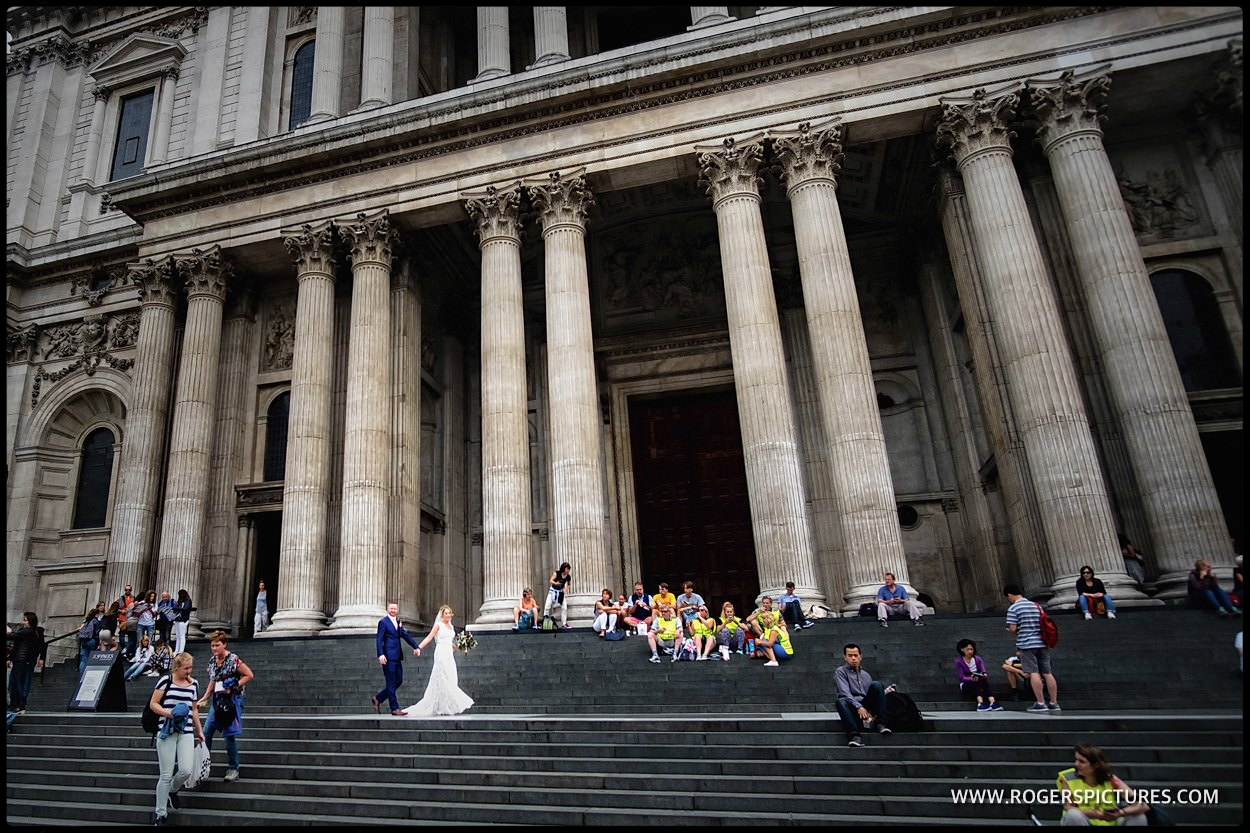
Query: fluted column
pixel 367 433
pixel 1181 505
pixel 1219 117
pixel 208 277
pixel 91 159
pixel 300 605
pixel 143 445
pixel 378 58
pixel 863 490
pixel 327 64
pixel 551 35
pixel 783 543
pixel 701 16
pixel 577 499
pixel 164 117
pixel 1037 362
pixel 506 518
pixel 407 448
pixel 493 56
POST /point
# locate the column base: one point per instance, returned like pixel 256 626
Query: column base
pixel 488 75
pixel 359 618
pixel 371 104
pixel 860 594
pixel 302 622
pixel 1173 587
pixel 710 20
pixel 496 612
pixel 808 596
pixel 548 60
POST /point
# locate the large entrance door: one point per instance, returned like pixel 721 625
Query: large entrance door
pixel 265 567
pixel 694 518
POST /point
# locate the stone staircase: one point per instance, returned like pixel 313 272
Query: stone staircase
pixel 570 729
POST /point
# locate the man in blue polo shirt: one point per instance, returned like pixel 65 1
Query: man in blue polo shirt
pixel 892 600
pixel 1024 620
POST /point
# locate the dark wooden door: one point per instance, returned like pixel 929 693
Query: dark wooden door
pixel 694 518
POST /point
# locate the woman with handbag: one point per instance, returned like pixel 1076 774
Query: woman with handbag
pixel 227 677
pixel 1092 596
pixel 174 699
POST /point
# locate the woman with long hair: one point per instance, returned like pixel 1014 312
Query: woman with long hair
pixel 442 692
pixel 1094 795
pixel 182 620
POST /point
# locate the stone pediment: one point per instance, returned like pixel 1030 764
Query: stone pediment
pixel 139 56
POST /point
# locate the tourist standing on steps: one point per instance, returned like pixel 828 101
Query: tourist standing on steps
pixel 559 584
pixel 260 620
pixel 165 615
pixel 1090 592
pixel 974 679
pixel 1024 620
pixel 27 651
pixel 391 658
pixel 145 616
pixel 89 635
pixel 182 620
pixel 174 699
pixel 227 677
pixel 861 701
pixel 892 600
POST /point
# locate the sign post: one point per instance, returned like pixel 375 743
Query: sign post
pixel 101 687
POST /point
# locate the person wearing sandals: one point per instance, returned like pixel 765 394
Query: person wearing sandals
pixel 974 679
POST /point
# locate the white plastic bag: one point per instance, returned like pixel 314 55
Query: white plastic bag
pixel 201 766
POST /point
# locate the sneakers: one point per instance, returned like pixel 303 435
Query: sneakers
pixel 884 623
pixel 983 707
pixel 516 628
pixel 668 652
pixel 809 624
pixel 884 729
pixel 1089 616
pixel 158 821
pixel 714 656
pixel 566 626
pixel 995 707
pixel 654 658
pixel 701 658
pixel 1038 708
pixel 1053 707
pixel 231 775
pixel 918 622
pixel 1110 614
pixel 855 741
pixel 173 801
pixel 772 663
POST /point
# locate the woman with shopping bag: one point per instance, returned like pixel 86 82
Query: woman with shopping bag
pixel 180 733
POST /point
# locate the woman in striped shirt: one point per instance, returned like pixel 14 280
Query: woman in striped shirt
pixel 180 731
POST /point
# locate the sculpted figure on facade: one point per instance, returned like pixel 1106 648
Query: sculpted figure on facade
pixel 279 340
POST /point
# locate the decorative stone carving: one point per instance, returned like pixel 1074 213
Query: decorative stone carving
pixel 654 273
pixel 207 272
pixel 496 213
pixel 1073 104
pixel 562 201
pixel 300 15
pixel 158 281
pixel 94 286
pixel 734 169
pixel 1222 102
pixel 977 125
pixel 372 238
pixel 806 154
pixel 279 339
pixel 22 344
pixel 312 249
pixel 125 332
pixel 1158 205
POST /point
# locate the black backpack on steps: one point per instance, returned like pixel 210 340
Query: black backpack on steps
pixel 901 713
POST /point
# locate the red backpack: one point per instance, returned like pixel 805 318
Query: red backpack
pixel 1050 631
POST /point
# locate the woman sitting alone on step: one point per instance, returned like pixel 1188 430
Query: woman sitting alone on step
pixel 974 679
pixel 1091 596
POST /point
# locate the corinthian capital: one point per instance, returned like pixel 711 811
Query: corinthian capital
pixel 1069 105
pixel 978 124
pixel 495 213
pixel 372 238
pixel 731 168
pixel 158 281
pixel 809 153
pixel 560 201
pixel 1220 102
pixel 312 249
pixel 207 272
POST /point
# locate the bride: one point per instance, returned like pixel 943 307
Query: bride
pixel 442 694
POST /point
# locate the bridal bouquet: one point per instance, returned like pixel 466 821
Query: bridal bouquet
pixel 464 642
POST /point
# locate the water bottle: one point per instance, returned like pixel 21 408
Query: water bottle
pixel 751 647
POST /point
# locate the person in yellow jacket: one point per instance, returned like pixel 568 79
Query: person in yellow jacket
pixel 773 640
pixel 665 630
pixel 1094 795
pixel 732 632
pixel 704 628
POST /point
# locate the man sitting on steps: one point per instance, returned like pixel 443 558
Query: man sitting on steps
pixel 892 600
pixel 860 700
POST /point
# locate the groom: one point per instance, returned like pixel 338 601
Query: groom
pixel 391 658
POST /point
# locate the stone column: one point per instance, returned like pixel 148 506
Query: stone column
pixel 1218 113
pixel 863 490
pixel 91 159
pixel 1151 406
pixel 493 56
pixel 404 540
pixel 783 543
pixel 143 446
pixel 551 36
pixel 701 16
pixel 164 117
pixel 1037 362
pixel 328 65
pixel 378 60
pixel 506 516
pixel 299 609
pixel 577 496
pixel 208 277
pixel 367 434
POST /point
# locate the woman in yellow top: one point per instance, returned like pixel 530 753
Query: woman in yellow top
pixel 1094 795
pixel 704 628
pixel 773 640
pixel 732 632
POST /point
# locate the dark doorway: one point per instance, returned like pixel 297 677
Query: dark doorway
pixel 1225 455
pixel 268 526
pixel 694 517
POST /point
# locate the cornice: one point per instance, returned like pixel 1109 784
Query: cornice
pixel 407 137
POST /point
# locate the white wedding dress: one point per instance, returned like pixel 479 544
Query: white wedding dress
pixel 442 693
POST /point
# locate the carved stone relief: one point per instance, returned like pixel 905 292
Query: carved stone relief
pixel 1161 199
pixel 88 342
pixel 279 338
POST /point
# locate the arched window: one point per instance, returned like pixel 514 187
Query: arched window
pixel 95 474
pixel 1199 340
pixel 275 437
pixel 301 85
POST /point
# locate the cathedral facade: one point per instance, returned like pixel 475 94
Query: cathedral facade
pixel 414 304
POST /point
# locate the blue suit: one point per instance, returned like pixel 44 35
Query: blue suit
pixel 389 647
